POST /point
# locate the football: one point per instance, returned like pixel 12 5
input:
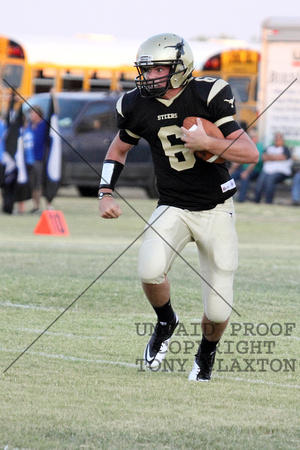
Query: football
pixel 211 129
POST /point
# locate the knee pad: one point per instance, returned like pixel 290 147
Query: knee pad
pixel 216 309
pixel 152 262
pixel 218 317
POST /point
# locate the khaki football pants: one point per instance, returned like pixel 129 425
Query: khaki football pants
pixel 214 233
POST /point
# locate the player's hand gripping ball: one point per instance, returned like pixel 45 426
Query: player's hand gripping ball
pixel 190 123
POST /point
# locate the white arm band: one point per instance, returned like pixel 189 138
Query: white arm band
pixel 111 171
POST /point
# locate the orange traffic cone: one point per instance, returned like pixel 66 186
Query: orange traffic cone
pixel 52 222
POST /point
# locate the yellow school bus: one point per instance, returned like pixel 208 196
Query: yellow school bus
pixel 89 62
pixel 31 65
pixel 238 66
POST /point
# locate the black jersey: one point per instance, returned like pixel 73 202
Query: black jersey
pixel 183 180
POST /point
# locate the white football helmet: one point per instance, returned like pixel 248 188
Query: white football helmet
pixel 167 50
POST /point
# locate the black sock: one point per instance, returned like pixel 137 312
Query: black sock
pixel 165 313
pixel 207 346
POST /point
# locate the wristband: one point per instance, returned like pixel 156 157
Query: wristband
pixel 104 194
pixel 111 171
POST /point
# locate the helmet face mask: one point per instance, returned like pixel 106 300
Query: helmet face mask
pixel 155 87
pixel 164 50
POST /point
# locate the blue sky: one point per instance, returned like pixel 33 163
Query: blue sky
pixel 139 20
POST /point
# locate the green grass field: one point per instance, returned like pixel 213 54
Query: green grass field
pixel 81 385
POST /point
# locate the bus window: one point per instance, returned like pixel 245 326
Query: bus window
pixel 99 84
pixel 240 88
pixel 72 82
pixel 100 80
pixel 126 83
pixel 42 82
pixel 12 73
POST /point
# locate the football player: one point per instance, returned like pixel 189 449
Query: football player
pixel 195 197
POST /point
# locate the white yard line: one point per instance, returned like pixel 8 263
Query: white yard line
pixel 68 335
pixel 135 366
pixel 73 358
pixel 42 308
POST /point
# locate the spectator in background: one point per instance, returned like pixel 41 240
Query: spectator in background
pixel 247 173
pixel 25 162
pixel 38 127
pixel 277 167
pixel 8 167
pixel 2 132
pixel 2 149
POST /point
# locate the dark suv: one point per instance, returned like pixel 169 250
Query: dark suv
pixel 87 126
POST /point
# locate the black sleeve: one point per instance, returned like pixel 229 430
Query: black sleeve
pixel 222 108
pixel 123 120
pixel 126 137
